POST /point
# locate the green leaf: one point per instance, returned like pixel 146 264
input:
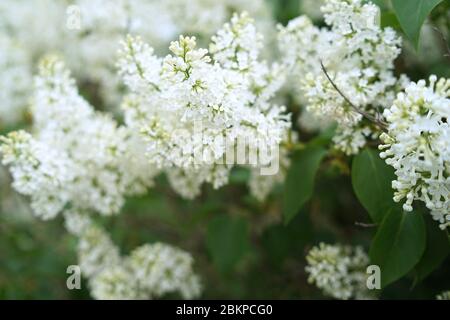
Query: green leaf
pixel 412 14
pixel 282 241
pixel 227 241
pixel 398 244
pixel 239 175
pixel 372 180
pixel 325 137
pixel 285 10
pixel 441 70
pixel 389 19
pixel 437 249
pixel 299 184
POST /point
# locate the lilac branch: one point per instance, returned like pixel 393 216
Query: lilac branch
pixel 376 120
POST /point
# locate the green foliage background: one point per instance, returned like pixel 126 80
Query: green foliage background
pixel 247 249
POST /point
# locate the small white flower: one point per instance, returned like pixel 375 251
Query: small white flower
pixel 150 271
pixel 115 282
pixel 78 158
pixel 340 271
pixel 38 171
pixel 358 55
pixel 195 104
pixel 161 269
pixel 417 146
pixel 96 251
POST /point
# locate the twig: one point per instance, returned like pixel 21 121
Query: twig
pixel 368 116
pixel 365 225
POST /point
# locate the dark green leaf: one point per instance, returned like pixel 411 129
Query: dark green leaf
pixel 412 14
pixel 372 180
pixel 299 185
pixel 389 19
pixel 441 69
pixel 285 10
pixel 325 137
pixel 398 244
pixel 277 243
pixel 282 241
pixel 437 249
pixel 239 175
pixel 227 241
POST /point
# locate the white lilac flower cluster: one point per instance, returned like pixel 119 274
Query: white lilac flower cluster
pixel 148 272
pixel 358 56
pixel 76 158
pixel 103 23
pixel 85 32
pixel 15 81
pixel 161 269
pixel 249 84
pixel 101 26
pixel 37 25
pixel 417 146
pixel 20 46
pixel 302 44
pixel 38 171
pixel 96 251
pixel 339 271
pixel 195 107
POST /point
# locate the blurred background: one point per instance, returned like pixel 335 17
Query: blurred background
pixel 242 248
